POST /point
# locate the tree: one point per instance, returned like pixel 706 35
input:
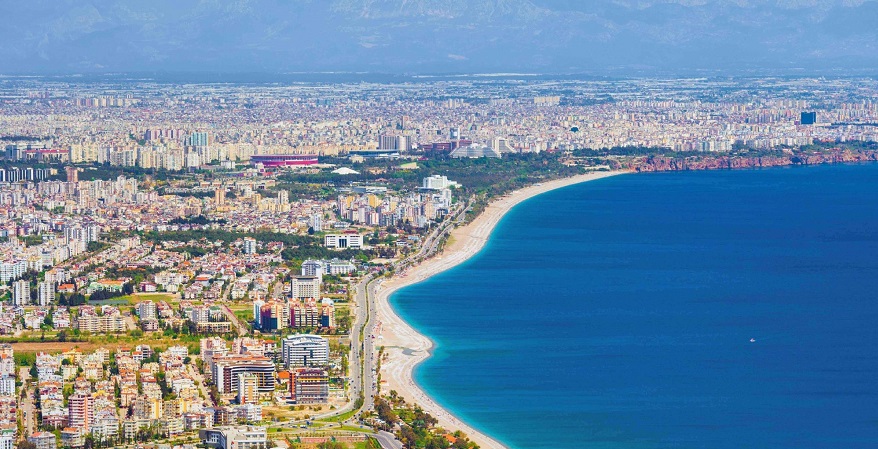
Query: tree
pixel 25 444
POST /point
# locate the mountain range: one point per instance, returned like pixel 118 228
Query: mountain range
pixel 440 36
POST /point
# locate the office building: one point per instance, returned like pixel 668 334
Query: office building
pixel 809 118
pixel 309 386
pixel 342 241
pixel 227 370
pixel 303 287
pixel 305 351
pixel 245 437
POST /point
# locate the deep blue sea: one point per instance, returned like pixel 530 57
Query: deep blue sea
pixel 619 313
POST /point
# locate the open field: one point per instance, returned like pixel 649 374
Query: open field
pixel 109 342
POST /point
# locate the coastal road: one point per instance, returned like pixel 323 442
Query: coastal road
pixel 362 362
pixel 387 440
pixel 366 295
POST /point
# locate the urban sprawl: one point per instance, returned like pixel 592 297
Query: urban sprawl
pixel 182 264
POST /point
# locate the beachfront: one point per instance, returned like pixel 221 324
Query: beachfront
pixel 404 346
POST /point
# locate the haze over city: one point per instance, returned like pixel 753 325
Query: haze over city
pixel 601 37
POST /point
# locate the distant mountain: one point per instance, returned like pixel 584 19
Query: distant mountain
pixel 418 36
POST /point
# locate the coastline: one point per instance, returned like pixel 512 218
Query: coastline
pixel 404 346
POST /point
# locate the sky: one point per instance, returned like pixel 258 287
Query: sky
pixel 598 37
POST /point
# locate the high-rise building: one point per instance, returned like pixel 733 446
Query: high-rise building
pixel 248 388
pixel 72 174
pixel 305 287
pixel 147 310
pixel 316 222
pixel 257 313
pixel 305 351
pixel 809 118
pixel 46 293
pixel 309 386
pixel 80 410
pixel 219 197
pixel 249 245
pixel 198 139
pixel 227 371
pixel 313 268
pixel 21 292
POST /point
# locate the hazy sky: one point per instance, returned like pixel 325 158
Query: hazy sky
pixel 440 36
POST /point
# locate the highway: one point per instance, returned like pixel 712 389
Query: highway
pixel 368 287
pixel 363 372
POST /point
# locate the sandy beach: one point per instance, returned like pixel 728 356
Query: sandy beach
pixel 404 346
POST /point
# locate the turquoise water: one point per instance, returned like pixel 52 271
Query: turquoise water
pixel 618 314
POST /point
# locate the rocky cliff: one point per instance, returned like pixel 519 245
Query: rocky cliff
pixel 709 162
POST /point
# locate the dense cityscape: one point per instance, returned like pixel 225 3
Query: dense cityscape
pixel 189 264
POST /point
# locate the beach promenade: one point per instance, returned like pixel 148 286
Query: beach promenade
pixel 405 347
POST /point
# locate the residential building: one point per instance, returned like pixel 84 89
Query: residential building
pixel 21 293
pixel 147 310
pixel 80 410
pixel 45 293
pixel 43 440
pixel 248 388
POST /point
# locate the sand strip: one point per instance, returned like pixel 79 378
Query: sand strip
pixel 404 346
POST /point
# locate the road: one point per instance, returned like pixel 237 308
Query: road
pixel 241 328
pixel 387 440
pixel 28 410
pixel 363 372
pixel 368 287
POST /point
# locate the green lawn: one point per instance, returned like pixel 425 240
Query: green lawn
pixel 340 418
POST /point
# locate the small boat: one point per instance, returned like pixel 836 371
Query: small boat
pixel 752 340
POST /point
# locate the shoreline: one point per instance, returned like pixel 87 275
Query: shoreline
pixel 404 346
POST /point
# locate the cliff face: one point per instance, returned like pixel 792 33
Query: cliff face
pixel 707 162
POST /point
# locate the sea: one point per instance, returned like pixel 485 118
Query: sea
pixel 712 309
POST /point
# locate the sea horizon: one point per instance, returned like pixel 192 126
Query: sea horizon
pixel 447 346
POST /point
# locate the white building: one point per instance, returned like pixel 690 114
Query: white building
pixel 313 268
pixel 21 292
pixel 438 182
pixel 305 350
pixel 246 437
pixel 147 310
pixel 7 386
pixel 343 241
pixel 249 245
pixel 46 293
pixel 305 287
